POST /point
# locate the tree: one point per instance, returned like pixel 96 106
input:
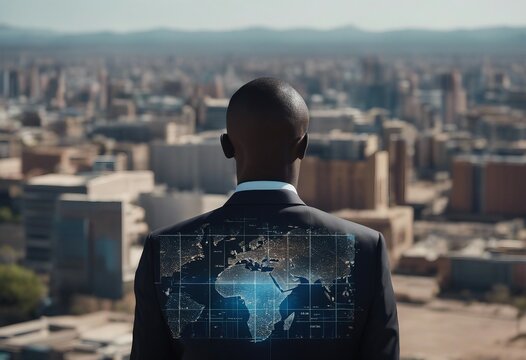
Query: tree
pixel 20 292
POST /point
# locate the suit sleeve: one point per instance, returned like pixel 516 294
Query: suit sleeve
pixel 151 336
pixel 381 338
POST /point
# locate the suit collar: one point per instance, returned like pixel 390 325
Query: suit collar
pixel 265 185
pixel 257 197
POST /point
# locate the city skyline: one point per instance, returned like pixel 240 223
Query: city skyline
pixel 139 15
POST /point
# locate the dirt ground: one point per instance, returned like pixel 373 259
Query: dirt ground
pixel 453 332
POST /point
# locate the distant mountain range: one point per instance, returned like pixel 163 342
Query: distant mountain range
pixel 347 39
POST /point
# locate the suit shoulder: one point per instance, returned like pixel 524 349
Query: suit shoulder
pixel 184 225
pixel 333 222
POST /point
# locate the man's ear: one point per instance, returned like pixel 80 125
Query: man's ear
pixel 302 148
pixel 226 144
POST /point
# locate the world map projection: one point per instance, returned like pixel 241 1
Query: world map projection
pixel 244 279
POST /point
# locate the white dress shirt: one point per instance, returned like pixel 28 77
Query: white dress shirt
pixel 265 185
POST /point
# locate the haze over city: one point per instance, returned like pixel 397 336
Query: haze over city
pixel 375 15
pixel 111 112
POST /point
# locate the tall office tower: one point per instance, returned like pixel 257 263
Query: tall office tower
pixel 373 71
pixel 326 120
pixel 378 90
pixel 214 114
pixel 60 95
pixel 424 152
pixel 489 185
pixel 13 84
pixel 4 83
pixel 409 101
pixel 398 169
pixel 39 202
pixel 93 251
pixel 338 184
pixel 464 187
pixel 102 96
pixel 193 162
pixel 396 127
pixel 35 90
pixel 432 153
pixel 453 97
pixel 429 118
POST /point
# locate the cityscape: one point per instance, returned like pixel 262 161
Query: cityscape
pixel 418 134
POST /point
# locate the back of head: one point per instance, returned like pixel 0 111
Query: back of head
pixel 267 121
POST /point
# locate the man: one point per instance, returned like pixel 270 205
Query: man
pixel 265 276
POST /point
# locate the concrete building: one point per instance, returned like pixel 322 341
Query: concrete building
pixel 454 99
pixel 140 131
pixel 137 155
pixel 10 145
pixel 117 162
pixel 99 335
pixel 326 120
pixel 395 223
pixel 489 185
pixel 40 160
pixel 214 113
pixel 399 163
pixel 39 202
pixel 339 184
pixel 339 145
pixel 122 108
pixel 435 151
pixel 166 207
pixel 503 263
pixel 93 246
pixel 193 162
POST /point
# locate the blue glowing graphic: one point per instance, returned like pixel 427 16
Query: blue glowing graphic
pixel 246 280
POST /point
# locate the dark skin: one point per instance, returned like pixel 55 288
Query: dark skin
pixel 267 121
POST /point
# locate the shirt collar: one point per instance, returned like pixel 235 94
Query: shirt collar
pixel 265 185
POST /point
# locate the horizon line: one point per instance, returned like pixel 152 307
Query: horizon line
pixel 261 27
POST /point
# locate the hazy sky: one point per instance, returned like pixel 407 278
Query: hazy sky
pixel 125 15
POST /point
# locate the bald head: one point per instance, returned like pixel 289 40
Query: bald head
pixel 267 121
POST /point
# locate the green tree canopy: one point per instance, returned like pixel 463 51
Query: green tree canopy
pixel 20 289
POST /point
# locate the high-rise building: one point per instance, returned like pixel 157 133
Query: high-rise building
pixel 4 83
pixel 214 113
pixel 34 84
pixel 193 162
pixel 93 251
pixel 339 184
pixel 327 120
pixel 14 83
pixel 489 185
pixel 39 203
pixel 398 169
pixel 454 101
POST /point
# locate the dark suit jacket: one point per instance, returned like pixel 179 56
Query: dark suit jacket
pixel 265 277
